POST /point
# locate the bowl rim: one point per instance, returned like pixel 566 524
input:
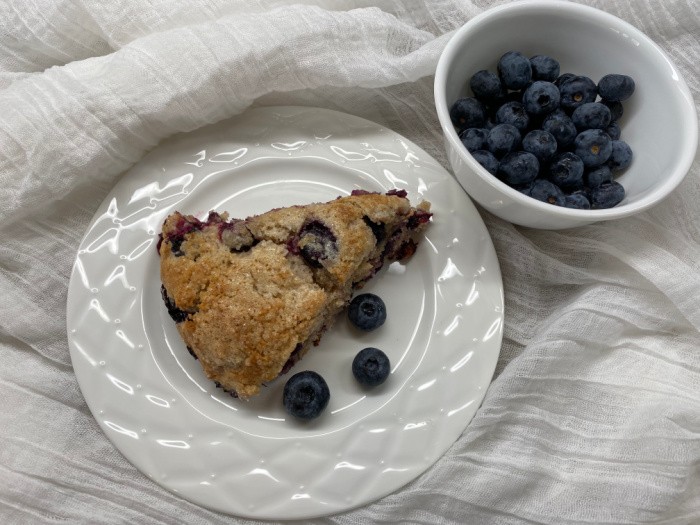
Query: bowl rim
pixel 655 195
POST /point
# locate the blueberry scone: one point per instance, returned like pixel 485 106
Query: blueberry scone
pixel 251 296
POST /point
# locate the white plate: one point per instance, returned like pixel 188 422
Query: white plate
pixel 443 332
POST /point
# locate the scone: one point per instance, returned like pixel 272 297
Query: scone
pixel 250 296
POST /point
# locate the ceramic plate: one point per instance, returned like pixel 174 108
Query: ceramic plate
pixel 443 332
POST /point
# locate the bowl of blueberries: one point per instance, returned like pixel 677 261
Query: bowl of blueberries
pixel 557 115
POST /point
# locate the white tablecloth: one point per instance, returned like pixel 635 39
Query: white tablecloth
pixel 593 415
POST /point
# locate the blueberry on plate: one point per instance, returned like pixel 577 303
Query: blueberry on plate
pixel 563 78
pixel 576 91
pixel 518 168
pixel 487 160
pixel 541 98
pixel 620 156
pixel 566 170
pixel 613 131
pixel 473 138
pixel 513 113
pixel 591 115
pixel 544 68
pixel 486 86
pixel 306 395
pixel 593 146
pixel 503 139
pixel 616 87
pixel 467 112
pixel 540 143
pixel 615 107
pixel 367 312
pixel 545 191
pixel 514 70
pixel 371 367
pixel 607 195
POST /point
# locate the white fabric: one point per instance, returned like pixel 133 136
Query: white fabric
pixel 594 413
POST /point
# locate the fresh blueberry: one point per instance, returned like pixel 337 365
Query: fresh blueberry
pixel 514 70
pixel 518 168
pixel 545 191
pixel 371 367
pixel 487 160
pixel 620 156
pixel 513 113
pixel 593 146
pixel 367 312
pixel 607 195
pixel 306 395
pixel 577 201
pixel 591 115
pixel 540 143
pixel 503 139
pixel 566 170
pixel 615 107
pixel 468 112
pixel 598 176
pixel 317 243
pixel 613 131
pixel 474 138
pixel 563 78
pixel 541 98
pixel 576 91
pixel 486 86
pixel 561 127
pixel 544 68
pixel 616 87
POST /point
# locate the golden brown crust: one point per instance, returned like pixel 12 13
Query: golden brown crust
pixel 250 294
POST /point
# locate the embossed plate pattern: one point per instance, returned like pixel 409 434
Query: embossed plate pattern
pixel 443 333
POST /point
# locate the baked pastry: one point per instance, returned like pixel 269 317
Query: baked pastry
pixel 251 296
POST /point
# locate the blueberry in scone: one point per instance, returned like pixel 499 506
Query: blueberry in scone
pixel 251 296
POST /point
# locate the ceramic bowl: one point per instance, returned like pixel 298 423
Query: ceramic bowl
pixel 659 121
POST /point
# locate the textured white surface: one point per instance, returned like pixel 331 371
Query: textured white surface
pixel 248 458
pixel 594 413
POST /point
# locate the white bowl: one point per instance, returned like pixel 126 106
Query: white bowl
pixel 659 121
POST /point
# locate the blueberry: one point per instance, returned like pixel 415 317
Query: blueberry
pixel 563 78
pixel 613 131
pixel 577 90
pixel 615 107
pixel 598 176
pixel 371 367
pixel 474 138
pixel 540 143
pixel 541 98
pixel 467 113
pixel 620 156
pixel 367 312
pixel 561 127
pixel 577 201
pixel 487 160
pixel 616 87
pixel 514 70
pixel 513 113
pixel 306 395
pixel 175 313
pixel 317 243
pixel 486 86
pixel 518 168
pixel 503 139
pixel 544 68
pixel 593 146
pixel 607 195
pixel 591 115
pixel 566 170
pixel 545 191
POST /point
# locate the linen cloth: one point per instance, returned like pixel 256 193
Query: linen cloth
pixel 593 415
